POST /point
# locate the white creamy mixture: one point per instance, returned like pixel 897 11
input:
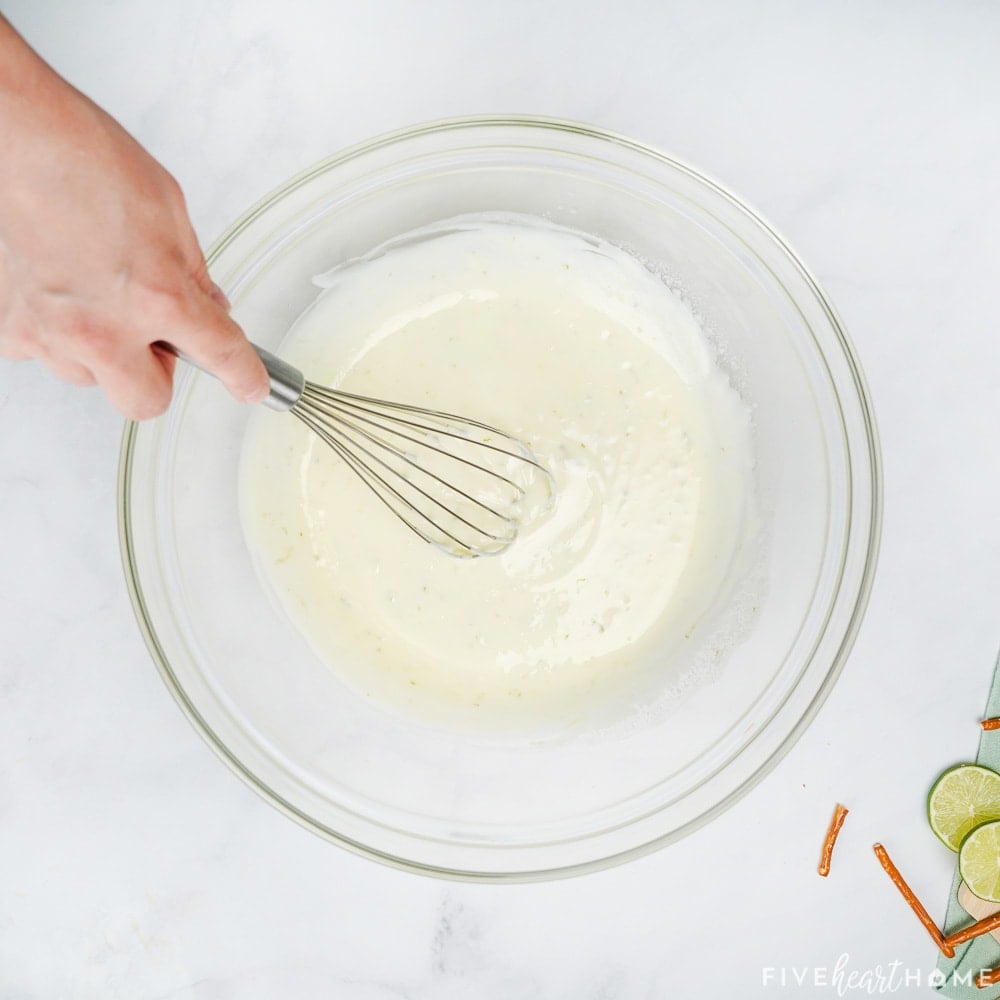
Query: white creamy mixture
pixel 576 348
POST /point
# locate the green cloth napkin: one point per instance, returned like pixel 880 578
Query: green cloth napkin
pixel 983 952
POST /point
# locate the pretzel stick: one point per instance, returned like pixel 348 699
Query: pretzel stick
pixel 839 815
pixel 978 929
pixel 985 979
pixel 918 908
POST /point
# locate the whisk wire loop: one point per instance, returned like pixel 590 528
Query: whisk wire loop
pixel 430 468
pixel 347 415
pixel 336 436
pixel 463 504
pixel 346 425
pixel 349 403
pixel 370 478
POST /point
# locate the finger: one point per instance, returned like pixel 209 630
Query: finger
pixel 217 343
pixel 18 333
pixel 70 371
pixel 137 384
pixel 219 346
pixel 200 273
pixel 15 351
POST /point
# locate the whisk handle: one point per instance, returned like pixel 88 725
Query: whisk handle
pixel 287 382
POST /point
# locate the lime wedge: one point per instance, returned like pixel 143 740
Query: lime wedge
pixel 979 861
pixel 963 798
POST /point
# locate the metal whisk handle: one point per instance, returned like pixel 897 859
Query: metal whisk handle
pixel 287 382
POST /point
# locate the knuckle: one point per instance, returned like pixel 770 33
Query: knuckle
pixel 19 341
pixel 173 190
pixel 224 346
pixel 96 343
pixel 225 354
pixel 77 375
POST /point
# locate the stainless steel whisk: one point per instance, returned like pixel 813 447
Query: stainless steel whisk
pixel 458 483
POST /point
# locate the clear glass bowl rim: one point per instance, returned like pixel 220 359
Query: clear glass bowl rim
pixel 145 619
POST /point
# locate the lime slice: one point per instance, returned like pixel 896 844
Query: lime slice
pixel 979 861
pixel 963 798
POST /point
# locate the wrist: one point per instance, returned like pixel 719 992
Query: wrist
pixel 34 98
pixel 23 73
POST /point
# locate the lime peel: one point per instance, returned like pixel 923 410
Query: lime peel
pixel 962 799
pixel 979 861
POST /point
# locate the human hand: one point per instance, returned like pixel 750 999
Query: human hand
pixel 98 259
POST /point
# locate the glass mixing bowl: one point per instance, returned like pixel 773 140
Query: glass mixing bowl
pixel 442 802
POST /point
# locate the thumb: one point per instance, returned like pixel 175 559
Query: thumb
pixel 213 340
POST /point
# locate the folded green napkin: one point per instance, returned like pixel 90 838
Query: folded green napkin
pixel 958 974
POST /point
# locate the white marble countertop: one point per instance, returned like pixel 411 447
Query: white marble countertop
pixel 133 864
